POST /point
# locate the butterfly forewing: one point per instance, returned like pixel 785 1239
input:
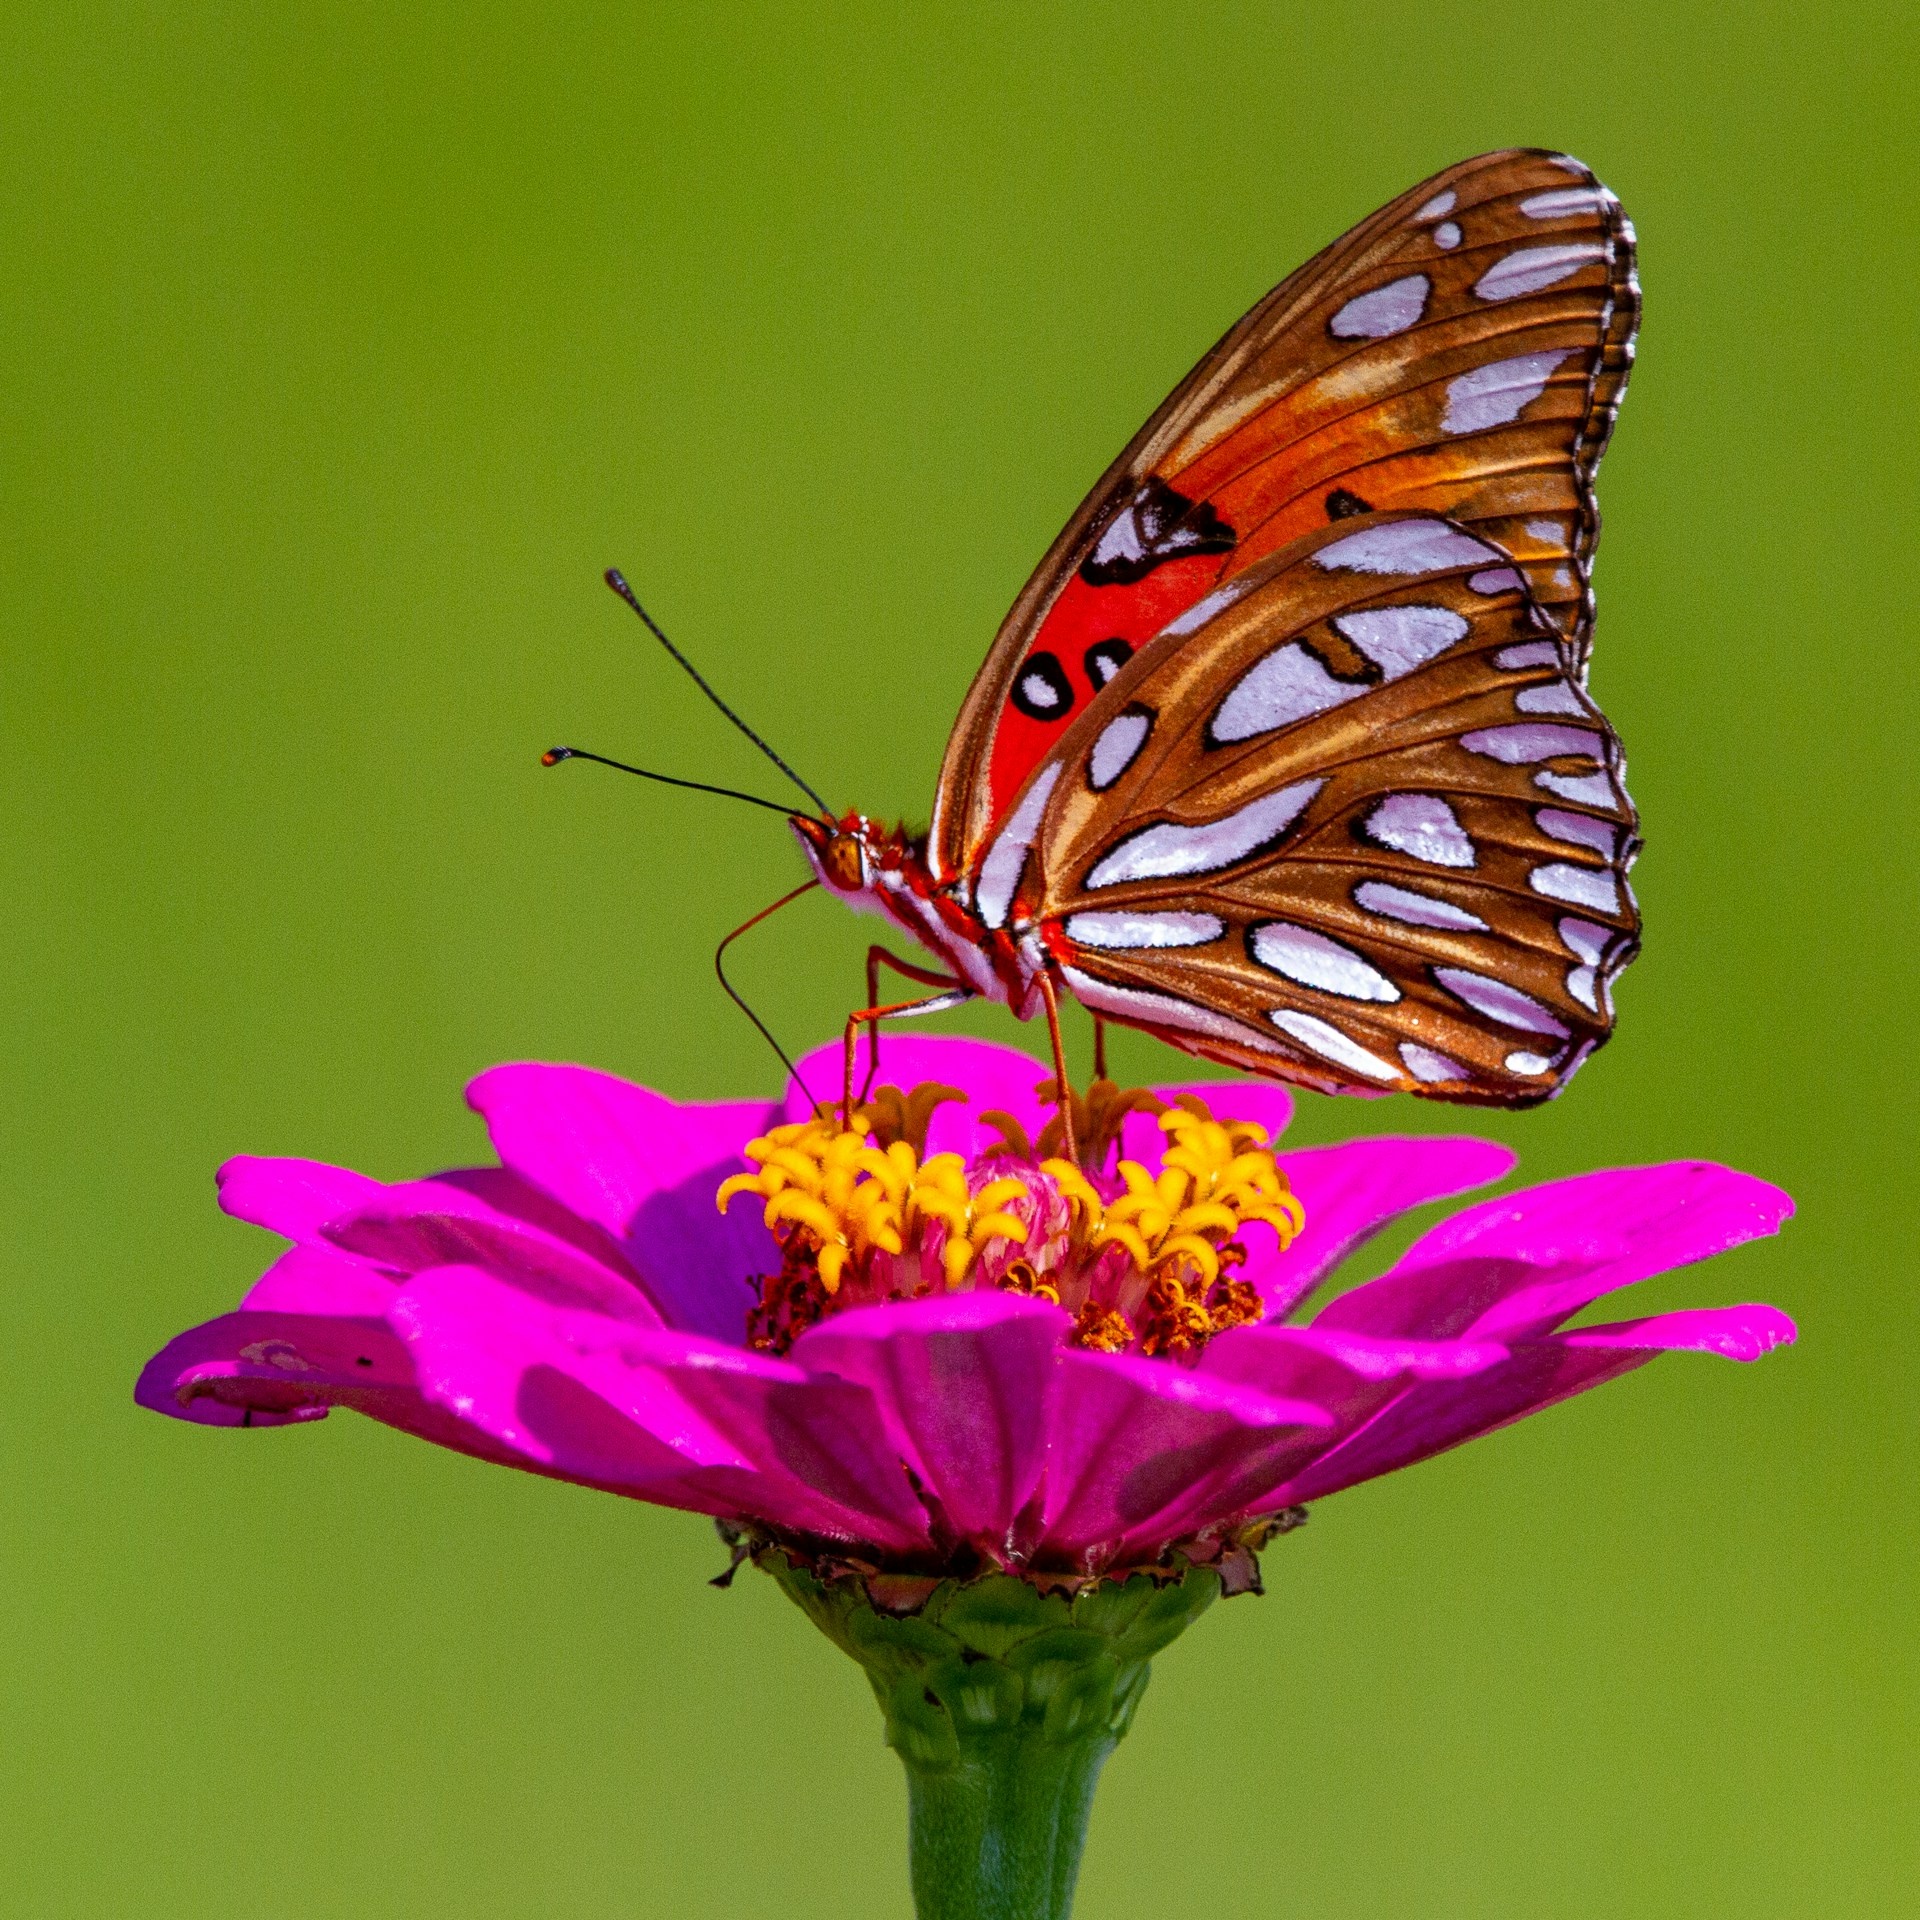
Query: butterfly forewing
pixel 1354 821
pixel 1463 351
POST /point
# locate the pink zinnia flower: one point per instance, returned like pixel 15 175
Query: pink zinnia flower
pixel 1002 1424
pixel 958 1363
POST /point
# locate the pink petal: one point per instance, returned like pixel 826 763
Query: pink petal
pixel 645 1169
pixel 294 1198
pixel 1351 1191
pixel 1520 1264
pixel 965 1385
pixel 431 1223
pixel 1426 1419
pixel 1734 1333
pixel 667 1416
pixel 1144 1452
pixel 252 1369
pixel 1295 1362
pixel 320 1280
pixel 991 1076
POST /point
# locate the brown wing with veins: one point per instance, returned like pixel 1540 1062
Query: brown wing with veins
pixel 1360 827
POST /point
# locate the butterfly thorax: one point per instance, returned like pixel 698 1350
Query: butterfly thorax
pixel 884 871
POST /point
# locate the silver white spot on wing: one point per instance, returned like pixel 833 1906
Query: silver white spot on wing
pixel 1577 886
pixel 1534 653
pixel 1312 960
pixel 1197 615
pixel 1159 852
pixel 1495 580
pixel 1289 684
pixel 1006 859
pixel 1530 1064
pixel 1040 690
pixel 1578 830
pixel 1386 310
pixel 1161 1010
pixel 1520 745
pixel 1583 985
pixel 1430 1067
pixel 1548 530
pixel 1499 1001
pixel 1586 941
pixel 1446 236
pixel 1398 639
pixel 1491 396
pixel 1442 202
pixel 1555 697
pixel 1422 826
pixel 1406 546
pixel 1320 1037
pixel 1561 203
pixel 1123 539
pixel 1123 931
pixel 1583 789
pixel 1114 752
pixel 1415 909
pixel 1532 269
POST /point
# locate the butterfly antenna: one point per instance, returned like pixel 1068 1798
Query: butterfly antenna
pixel 554 755
pixel 719 967
pixel 618 582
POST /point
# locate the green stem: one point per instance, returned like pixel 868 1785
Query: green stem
pixel 1003 1703
pixel 998 1837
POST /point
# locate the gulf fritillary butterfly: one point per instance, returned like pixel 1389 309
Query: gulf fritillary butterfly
pixel 1285 753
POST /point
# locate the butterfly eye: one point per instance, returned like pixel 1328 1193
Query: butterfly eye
pixel 842 863
pixel 1104 659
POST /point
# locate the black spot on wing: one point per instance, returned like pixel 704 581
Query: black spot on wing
pixel 1104 659
pixel 1041 689
pixel 1155 526
pixel 1342 505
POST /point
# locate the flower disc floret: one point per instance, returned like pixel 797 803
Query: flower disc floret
pixel 1141 1258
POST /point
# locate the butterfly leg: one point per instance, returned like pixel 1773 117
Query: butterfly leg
pixel 1099 1048
pixel 1061 1087
pixel 878 956
pixel 933 1003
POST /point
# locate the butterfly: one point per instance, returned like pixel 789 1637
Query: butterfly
pixel 1285 753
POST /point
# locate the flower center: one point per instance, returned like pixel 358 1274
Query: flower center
pixel 1143 1260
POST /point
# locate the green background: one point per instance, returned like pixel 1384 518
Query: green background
pixel 341 348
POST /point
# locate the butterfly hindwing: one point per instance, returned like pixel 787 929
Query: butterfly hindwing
pixel 1355 821
pixel 1462 351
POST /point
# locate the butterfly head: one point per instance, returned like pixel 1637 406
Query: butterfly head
pixel 843 852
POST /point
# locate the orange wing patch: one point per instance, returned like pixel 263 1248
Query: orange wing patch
pixel 1463 351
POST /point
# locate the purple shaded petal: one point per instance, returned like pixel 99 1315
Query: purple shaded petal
pixel 1144 1453
pixel 1353 1190
pixel 1294 1362
pixel 1263 1101
pixel 293 1198
pixel 965 1385
pixel 1426 1419
pixel 319 1280
pixel 1520 1264
pixel 645 1170
pixel 252 1369
pixel 992 1077
pixel 668 1416
pixel 431 1223
pixel 1734 1333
